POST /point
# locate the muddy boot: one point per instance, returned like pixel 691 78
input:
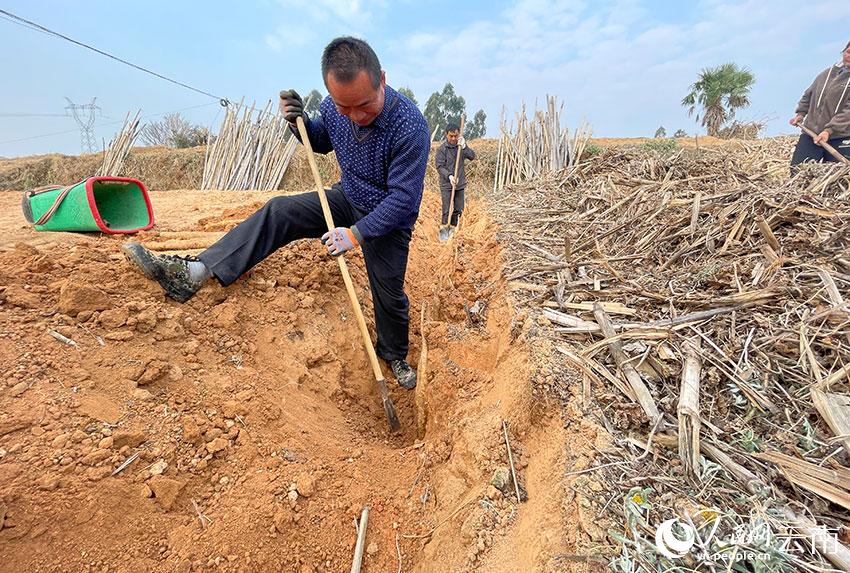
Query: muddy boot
pixel 180 277
pixel 444 233
pixel 404 374
pixel 450 231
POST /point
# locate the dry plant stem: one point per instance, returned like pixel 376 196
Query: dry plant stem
pixel 689 410
pixel 444 521
pixel 201 517
pixel 511 460
pixel 119 148
pixel 63 339
pixel 421 379
pixel 640 390
pixel 250 152
pixel 831 484
pixel 835 410
pixel 357 561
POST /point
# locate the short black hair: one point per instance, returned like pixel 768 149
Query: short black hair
pixel 452 127
pixel 346 57
pixel 847 46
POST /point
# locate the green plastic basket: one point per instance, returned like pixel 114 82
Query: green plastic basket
pixel 113 205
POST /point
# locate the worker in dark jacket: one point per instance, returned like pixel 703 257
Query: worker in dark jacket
pixel 825 109
pixel 382 142
pixel 445 161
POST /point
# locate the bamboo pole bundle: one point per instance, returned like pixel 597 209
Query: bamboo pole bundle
pixel 539 145
pixel 252 150
pixel 115 155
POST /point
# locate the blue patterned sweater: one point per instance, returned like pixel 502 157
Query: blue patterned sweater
pixel 383 164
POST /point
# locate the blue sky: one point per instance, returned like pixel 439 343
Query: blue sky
pixel 621 65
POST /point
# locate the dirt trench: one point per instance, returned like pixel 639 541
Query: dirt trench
pixel 259 431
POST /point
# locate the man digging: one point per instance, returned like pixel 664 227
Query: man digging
pixel 445 160
pixel 381 140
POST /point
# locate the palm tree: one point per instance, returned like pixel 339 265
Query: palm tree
pixel 719 92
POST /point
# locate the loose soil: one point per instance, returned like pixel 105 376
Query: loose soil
pixel 258 427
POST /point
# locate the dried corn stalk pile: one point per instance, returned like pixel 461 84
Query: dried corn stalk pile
pixel 697 308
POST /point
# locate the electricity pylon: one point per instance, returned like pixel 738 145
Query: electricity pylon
pixel 85 114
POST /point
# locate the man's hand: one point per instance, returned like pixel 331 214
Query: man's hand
pixel 291 105
pixel 339 240
pixel 461 142
pixel 796 119
pixel 452 179
pixel 822 137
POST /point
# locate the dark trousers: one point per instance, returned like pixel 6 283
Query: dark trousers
pixel 288 218
pixel 446 195
pixel 808 150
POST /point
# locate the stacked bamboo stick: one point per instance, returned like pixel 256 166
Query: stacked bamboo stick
pixel 538 146
pixel 250 152
pixel 119 147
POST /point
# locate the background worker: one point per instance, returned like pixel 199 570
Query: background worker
pixel 445 161
pixel 825 109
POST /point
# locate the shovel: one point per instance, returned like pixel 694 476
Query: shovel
pixel 392 417
pixel 832 151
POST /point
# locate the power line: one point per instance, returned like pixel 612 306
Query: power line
pixel 38 27
pixel 45 115
pixel 34 115
pixel 103 124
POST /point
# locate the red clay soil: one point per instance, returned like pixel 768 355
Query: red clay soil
pixel 258 427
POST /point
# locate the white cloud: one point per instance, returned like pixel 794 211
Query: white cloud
pixel 624 66
pixel 273 43
pixel 351 14
pixel 307 18
pixel 289 35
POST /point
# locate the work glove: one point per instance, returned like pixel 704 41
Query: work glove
pixel 452 179
pixel 461 142
pixel 291 105
pixel 340 240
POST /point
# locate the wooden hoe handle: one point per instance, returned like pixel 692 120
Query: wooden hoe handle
pixel 346 277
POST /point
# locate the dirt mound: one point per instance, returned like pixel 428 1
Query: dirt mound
pixel 243 429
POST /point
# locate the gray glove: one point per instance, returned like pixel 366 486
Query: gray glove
pixel 291 105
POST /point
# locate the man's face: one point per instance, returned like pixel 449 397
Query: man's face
pixel 357 100
pixel 847 56
pixel 451 137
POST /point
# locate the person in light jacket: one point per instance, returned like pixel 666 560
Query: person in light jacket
pixel 825 109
